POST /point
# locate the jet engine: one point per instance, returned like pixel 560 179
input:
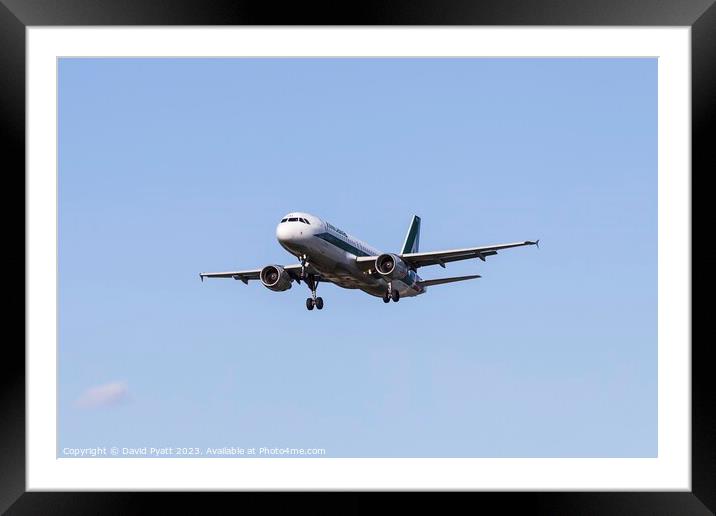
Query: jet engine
pixel 275 278
pixel 391 267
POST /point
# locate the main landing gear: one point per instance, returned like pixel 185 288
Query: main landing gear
pixel 391 294
pixel 312 301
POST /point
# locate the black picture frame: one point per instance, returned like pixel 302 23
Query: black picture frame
pixel 16 15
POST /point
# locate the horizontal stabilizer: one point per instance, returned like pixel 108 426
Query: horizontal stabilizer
pixel 427 283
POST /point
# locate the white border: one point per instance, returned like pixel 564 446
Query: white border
pixel 671 470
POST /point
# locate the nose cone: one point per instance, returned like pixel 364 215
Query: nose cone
pixel 283 233
pixel 292 232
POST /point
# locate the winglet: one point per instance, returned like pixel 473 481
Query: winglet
pixel 537 243
pixel 201 275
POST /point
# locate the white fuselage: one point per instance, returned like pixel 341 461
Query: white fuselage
pixel 332 253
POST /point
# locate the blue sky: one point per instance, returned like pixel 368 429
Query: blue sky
pixel 169 167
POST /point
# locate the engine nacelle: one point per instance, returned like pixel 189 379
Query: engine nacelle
pixel 391 267
pixel 275 278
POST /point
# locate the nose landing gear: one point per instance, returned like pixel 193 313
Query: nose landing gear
pixel 312 301
pixel 304 262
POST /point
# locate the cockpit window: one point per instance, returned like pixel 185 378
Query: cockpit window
pixel 284 220
pixel 293 219
pixel 306 221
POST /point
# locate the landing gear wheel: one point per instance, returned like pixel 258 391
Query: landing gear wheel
pixel 313 301
pixel 396 296
pixel 386 298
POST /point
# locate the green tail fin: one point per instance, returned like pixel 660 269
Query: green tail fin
pixel 412 239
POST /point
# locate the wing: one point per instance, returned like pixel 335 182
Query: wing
pixel 416 260
pixel 293 270
pixel 443 257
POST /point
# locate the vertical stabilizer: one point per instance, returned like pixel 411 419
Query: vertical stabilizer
pixel 412 239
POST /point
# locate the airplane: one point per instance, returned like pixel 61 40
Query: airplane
pixel 329 254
